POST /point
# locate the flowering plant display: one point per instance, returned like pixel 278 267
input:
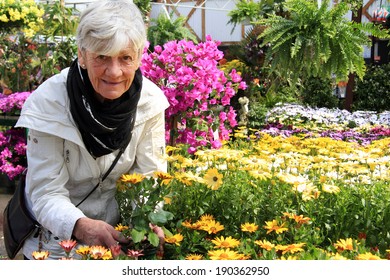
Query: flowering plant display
pixel 198 91
pixel 268 197
pixel 23 14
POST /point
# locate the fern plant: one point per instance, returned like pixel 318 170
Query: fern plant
pixel 316 41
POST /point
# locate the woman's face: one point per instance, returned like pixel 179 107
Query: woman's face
pixel 110 76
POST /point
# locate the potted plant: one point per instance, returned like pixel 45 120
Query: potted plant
pixel 245 12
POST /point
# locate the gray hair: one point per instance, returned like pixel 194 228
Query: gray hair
pixel 107 27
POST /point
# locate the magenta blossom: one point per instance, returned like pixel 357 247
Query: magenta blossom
pixel 198 91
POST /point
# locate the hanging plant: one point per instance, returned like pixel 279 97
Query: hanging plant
pixel 317 41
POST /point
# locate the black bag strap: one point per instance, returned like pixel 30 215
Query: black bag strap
pixel 121 150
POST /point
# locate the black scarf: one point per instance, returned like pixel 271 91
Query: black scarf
pixel 104 127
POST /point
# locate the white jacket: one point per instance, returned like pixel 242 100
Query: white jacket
pixel 61 172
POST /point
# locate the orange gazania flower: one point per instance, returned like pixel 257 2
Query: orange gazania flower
pixel 228 242
pixel 68 245
pixel 97 252
pixel 40 255
pixel 274 226
pixel 174 239
pixel 134 178
pixel 249 227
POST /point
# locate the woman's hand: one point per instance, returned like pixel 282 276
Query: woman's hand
pixel 96 232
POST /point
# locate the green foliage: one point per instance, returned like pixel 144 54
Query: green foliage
pixel 144 6
pixel 314 41
pixel 372 93
pixel 258 108
pixel 318 92
pixel 139 201
pixel 58 20
pixel 244 10
pixel 164 29
pixel 27 62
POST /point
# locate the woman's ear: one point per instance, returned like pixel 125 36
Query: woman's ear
pixel 80 56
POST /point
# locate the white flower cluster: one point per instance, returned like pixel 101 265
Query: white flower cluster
pixel 299 114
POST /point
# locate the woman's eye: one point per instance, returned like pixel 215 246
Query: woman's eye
pixel 101 58
pixel 128 59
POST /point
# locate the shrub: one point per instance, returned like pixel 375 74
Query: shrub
pixel 318 92
pixel 372 93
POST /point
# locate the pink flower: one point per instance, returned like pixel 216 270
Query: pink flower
pixel 189 76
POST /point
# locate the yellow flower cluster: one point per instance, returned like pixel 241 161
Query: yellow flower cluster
pixel 24 14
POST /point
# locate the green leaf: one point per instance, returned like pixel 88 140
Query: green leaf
pixel 160 217
pixel 137 236
pixel 153 239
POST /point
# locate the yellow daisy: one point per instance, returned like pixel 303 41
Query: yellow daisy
pixel 224 254
pixel 367 256
pixel 163 177
pixel 212 227
pixel 249 227
pixel 330 188
pixel 174 239
pixel 194 257
pixel 274 226
pixel 213 179
pixel 292 248
pixel 206 217
pixel 265 244
pixel 344 244
pixel 83 251
pixel 228 242
pixel 132 178
pixel 120 227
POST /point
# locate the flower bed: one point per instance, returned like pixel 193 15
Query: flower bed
pixel 300 195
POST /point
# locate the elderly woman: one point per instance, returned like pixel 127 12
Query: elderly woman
pixel 79 120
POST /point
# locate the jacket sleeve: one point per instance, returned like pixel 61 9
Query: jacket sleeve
pixel 150 151
pixel 45 187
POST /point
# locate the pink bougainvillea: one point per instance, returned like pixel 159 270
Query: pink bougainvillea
pixel 12 140
pixel 198 91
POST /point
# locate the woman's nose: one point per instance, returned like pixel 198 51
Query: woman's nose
pixel 114 68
